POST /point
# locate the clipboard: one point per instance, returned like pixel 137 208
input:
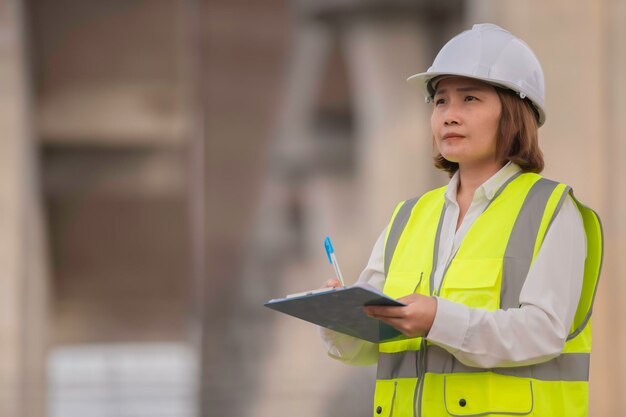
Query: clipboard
pixel 341 310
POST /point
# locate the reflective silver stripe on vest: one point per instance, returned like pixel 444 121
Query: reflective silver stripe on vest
pixel 403 364
pixel 565 367
pixel 520 247
pixel 397 227
pixel 433 267
pixel 558 208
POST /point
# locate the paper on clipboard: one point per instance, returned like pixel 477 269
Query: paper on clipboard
pixel 341 310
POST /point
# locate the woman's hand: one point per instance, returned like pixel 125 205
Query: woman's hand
pixel 413 320
pixel 331 283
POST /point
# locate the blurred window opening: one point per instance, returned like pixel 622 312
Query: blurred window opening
pixel 123 380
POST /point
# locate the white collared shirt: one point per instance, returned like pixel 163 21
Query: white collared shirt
pixel 533 333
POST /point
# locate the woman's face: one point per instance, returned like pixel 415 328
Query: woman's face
pixel 465 120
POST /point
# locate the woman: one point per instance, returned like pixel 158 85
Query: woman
pixel 498 269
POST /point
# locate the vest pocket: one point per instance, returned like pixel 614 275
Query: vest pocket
pixel 394 397
pixel 487 393
pixel 474 282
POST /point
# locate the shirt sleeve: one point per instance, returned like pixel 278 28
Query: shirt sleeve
pixel 348 349
pixel 537 330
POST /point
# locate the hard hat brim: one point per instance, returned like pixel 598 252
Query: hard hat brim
pixel 423 81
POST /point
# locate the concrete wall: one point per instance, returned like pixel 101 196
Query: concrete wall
pixel 23 250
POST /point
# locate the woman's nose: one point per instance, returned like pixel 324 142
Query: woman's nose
pixel 451 115
pixel 451 119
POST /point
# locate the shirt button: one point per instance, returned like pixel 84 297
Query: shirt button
pixel 435 292
pixel 379 409
pixel 462 402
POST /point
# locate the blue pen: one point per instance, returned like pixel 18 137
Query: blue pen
pixel 330 252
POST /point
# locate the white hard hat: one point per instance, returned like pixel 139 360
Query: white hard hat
pixel 491 54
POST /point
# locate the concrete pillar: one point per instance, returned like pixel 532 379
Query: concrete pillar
pixel 609 380
pixel 23 280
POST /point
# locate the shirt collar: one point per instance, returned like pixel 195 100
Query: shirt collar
pixel 489 188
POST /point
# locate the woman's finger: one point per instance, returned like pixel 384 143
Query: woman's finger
pixel 332 283
pixel 384 312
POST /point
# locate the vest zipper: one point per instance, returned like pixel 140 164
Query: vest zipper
pixel 393 397
pixel 422 369
pixel 418 282
pixel 420 378
pixel 423 353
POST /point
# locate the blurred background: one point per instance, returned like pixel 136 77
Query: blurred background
pixel 169 165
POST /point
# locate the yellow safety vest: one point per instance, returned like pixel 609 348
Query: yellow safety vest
pixel 417 378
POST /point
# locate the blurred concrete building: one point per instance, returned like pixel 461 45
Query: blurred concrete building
pixel 168 166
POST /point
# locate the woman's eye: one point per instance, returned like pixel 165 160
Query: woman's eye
pixel 470 98
pixel 439 101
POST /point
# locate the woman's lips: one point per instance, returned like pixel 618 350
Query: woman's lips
pixel 452 136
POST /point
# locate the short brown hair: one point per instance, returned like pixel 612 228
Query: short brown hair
pixel 518 137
